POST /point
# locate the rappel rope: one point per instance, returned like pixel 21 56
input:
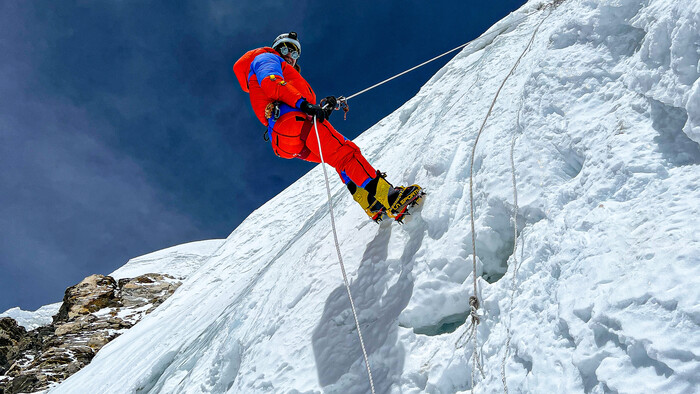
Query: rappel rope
pixel 409 70
pixel 515 229
pixel 513 284
pixel 474 300
pixel 340 259
pixel 343 100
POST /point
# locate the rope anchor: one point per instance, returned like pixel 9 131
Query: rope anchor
pixel 474 304
pixel 343 104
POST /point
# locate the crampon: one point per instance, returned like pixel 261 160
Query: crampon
pixel 410 197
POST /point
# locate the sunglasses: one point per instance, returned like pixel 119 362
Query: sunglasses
pixel 284 51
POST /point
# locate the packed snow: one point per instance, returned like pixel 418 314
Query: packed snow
pixel 33 319
pixel 603 116
pixel 178 261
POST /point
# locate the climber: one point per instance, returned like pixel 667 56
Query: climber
pixel 285 103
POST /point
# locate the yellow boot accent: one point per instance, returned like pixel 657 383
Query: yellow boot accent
pixel 362 197
pixel 382 193
pixel 410 195
pixel 407 195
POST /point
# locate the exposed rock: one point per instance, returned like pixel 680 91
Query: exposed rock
pixel 11 336
pixel 98 340
pixel 92 294
pixel 94 312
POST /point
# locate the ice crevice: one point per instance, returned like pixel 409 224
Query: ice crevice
pixel 673 143
pixel 495 238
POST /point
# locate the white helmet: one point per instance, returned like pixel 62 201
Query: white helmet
pixel 289 38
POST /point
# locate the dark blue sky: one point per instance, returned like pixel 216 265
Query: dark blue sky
pixel 123 130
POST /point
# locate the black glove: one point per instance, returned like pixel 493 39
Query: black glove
pixel 328 104
pixel 313 110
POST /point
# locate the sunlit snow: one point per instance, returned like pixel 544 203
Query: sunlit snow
pixel 177 261
pixel 605 112
pixel 33 319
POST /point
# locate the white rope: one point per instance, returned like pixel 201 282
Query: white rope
pixel 515 227
pixel 474 301
pixel 407 71
pixel 513 284
pixel 340 259
pixel 471 186
pixel 428 61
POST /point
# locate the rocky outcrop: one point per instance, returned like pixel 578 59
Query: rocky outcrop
pixel 11 337
pixel 94 312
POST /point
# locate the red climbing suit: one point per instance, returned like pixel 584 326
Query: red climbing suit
pixel 269 79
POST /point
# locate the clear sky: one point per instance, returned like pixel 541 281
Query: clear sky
pixel 123 130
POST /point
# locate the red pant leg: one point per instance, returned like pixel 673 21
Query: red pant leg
pixel 339 153
pixel 315 159
pixel 294 136
pixel 287 139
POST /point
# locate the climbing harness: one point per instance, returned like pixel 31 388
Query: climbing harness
pixel 474 300
pixel 272 113
pixel 272 110
pixel 340 259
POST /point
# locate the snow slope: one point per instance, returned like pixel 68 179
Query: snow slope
pixel 178 261
pixel 33 319
pixel 604 110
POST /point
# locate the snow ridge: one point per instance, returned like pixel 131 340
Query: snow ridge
pixel 33 319
pixel 178 261
pixel 604 108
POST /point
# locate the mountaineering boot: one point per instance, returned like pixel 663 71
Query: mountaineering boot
pixel 372 208
pixel 395 200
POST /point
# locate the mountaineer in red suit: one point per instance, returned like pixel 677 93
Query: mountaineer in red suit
pixel 285 103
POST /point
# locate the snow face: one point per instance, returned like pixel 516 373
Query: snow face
pixel 177 261
pixel 602 117
pixel 33 319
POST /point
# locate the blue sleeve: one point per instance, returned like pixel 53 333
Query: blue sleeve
pixel 266 64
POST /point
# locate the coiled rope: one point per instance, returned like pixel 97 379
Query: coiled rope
pixel 340 259
pixel 474 300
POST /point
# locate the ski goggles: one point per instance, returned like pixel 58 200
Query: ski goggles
pixel 285 50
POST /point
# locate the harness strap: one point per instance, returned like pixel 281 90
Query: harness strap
pixel 305 129
pixel 304 135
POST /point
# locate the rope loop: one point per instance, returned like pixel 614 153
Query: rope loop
pixel 474 302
